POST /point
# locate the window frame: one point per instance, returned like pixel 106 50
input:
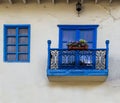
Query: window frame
pixel 17 45
pixel 78 29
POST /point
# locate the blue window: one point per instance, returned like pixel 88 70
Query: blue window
pixel 17 43
pixel 71 33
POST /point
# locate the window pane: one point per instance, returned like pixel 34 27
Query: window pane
pixel 23 31
pixel 23 57
pixel 23 40
pixel 69 35
pixel 11 32
pixel 11 57
pixel 64 45
pixel 11 40
pixel 11 49
pixel 87 35
pixel 23 49
pixel 90 45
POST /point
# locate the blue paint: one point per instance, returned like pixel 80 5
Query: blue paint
pixel 78 29
pixel 17 44
pixel 17 27
pixel 107 53
pixel 73 72
pixel 29 32
pixel 49 43
pixel 76 69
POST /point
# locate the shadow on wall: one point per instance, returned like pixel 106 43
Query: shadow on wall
pixel 75 84
pixel 114 71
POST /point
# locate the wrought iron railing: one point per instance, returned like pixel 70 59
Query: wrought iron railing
pixel 78 59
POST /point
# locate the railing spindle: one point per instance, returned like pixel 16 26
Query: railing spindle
pixel 107 52
pixel 49 53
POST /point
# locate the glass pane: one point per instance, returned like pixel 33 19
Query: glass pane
pixel 11 57
pixel 23 40
pixel 11 40
pixel 64 45
pixel 90 45
pixel 11 32
pixel 11 49
pixel 23 49
pixel 23 31
pixel 87 35
pixel 23 57
pixel 69 35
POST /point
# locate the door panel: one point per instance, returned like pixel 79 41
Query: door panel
pixel 76 35
pixel 88 36
pixel 68 36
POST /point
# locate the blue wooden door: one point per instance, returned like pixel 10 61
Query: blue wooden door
pixel 68 36
pixel 72 33
pixel 89 36
pixel 76 35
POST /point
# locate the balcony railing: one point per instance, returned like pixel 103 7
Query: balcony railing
pixel 92 60
pixel 78 59
pixel 75 59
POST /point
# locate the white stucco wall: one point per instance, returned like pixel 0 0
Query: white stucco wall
pixel 27 82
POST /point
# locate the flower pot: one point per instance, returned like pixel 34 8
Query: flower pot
pixel 78 48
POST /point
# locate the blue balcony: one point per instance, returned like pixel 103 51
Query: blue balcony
pixel 77 65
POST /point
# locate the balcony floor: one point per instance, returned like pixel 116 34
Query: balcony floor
pixel 77 75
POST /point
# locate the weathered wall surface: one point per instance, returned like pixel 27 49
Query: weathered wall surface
pixel 27 82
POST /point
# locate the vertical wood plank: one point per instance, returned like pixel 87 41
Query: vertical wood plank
pixel 10 1
pixel 53 1
pixel 67 1
pixel 24 1
pixel 38 1
pixel 96 1
pixel 110 1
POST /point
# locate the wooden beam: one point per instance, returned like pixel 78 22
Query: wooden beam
pixel 53 1
pixel 38 1
pixel 24 1
pixel 96 1
pixel 110 1
pixel 82 1
pixel 10 1
pixel 67 1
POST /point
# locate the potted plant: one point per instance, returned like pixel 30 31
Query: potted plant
pixel 80 45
